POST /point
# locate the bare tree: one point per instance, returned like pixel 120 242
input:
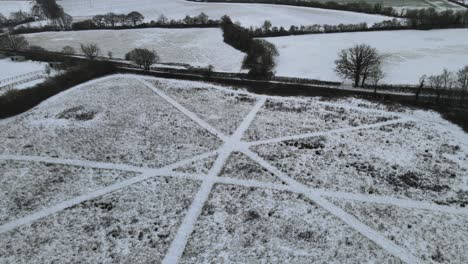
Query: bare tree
pixel 422 81
pixel 462 82
pixel 68 50
pixel 13 42
pixel 436 83
pixel 447 82
pixel 358 62
pixel 266 26
pixel 143 57
pixel 376 75
pixel 90 50
pixel 111 19
pixel 99 20
pixel 163 20
pixel 447 79
pixel 135 17
pixel 202 18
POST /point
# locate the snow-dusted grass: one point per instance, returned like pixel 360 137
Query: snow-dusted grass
pixel 244 225
pixel 224 111
pixel 199 47
pixel 26 187
pixel 247 14
pixel 240 166
pixel 280 118
pixel 435 237
pixel 201 166
pixel 10 68
pixel 119 121
pixel 133 225
pixel 227 205
pixel 402 160
pixel 409 54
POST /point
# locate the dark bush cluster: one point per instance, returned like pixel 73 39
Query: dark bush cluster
pixel 260 58
pixel 15 102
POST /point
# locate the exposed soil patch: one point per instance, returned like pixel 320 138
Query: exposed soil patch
pixel 78 113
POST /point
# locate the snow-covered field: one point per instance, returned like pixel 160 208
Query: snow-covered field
pixel 409 53
pixel 247 14
pixel 7 6
pixel 199 47
pixel 407 4
pixel 11 68
pixel 132 169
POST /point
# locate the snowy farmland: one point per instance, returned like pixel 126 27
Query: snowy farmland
pixel 247 14
pixel 133 169
pixel 7 6
pixel 407 4
pixel 198 47
pixel 409 53
pixel 20 75
pixel 11 68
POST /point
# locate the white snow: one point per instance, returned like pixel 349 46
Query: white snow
pixel 409 53
pixel 247 14
pixel 12 69
pixel 246 219
pixel 7 7
pixel 198 47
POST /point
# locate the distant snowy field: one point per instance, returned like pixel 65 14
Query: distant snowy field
pixel 11 68
pixel 6 7
pixel 247 14
pixel 134 169
pixel 409 53
pixel 199 47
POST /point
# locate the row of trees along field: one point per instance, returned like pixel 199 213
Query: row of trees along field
pixel 16 18
pixel 362 6
pixel 428 18
pixel 135 20
pixel 363 65
pixel 142 57
pixel 416 19
pixel 446 83
pixel 268 30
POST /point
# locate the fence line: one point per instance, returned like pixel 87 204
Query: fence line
pixel 7 87
pixel 13 79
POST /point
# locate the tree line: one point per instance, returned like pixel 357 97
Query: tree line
pixel 363 65
pixel 268 30
pixel 429 18
pixel 422 19
pixel 361 7
pixel 135 19
pixel 16 18
pixel 260 54
pixel 447 82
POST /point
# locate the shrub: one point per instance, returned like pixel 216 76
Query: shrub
pixel 15 102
